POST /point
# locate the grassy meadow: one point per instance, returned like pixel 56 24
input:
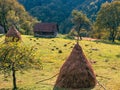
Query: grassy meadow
pixel 104 57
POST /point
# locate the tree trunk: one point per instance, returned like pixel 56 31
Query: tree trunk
pixel 5 26
pixel 113 39
pixel 78 33
pixel 14 78
pixel 112 35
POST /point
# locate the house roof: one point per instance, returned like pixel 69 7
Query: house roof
pixel 46 27
pixel 76 72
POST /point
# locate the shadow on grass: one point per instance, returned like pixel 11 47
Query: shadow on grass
pixel 18 89
pixel 1 35
pixel 37 38
pixel 118 56
pixel 56 88
pixel 5 89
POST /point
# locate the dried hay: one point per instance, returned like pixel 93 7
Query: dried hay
pixel 76 73
pixel 13 35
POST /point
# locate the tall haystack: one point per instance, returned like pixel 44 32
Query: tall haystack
pixel 13 35
pixel 76 73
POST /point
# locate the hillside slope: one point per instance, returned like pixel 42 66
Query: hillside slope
pixel 60 11
pixel 104 57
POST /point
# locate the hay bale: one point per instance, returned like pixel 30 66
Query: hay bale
pixel 65 45
pixel 60 51
pixel 52 49
pixel 76 72
pixel 95 49
pixel 13 35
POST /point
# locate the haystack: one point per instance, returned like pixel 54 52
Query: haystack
pixel 13 35
pixel 76 73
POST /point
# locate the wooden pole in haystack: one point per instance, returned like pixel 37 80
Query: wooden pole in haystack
pixel 76 73
pixel 13 35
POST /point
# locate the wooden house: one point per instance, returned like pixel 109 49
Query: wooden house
pixel 45 30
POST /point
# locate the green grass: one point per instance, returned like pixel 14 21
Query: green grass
pixel 105 55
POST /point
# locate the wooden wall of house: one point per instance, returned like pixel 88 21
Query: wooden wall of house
pixel 43 35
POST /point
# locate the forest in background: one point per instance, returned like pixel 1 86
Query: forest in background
pixel 59 11
pixel 101 15
pixel 13 13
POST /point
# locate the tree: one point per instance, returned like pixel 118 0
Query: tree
pixel 80 21
pixel 16 56
pixel 47 10
pixel 3 14
pixel 99 33
pixel 109 18
pixel 12 13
